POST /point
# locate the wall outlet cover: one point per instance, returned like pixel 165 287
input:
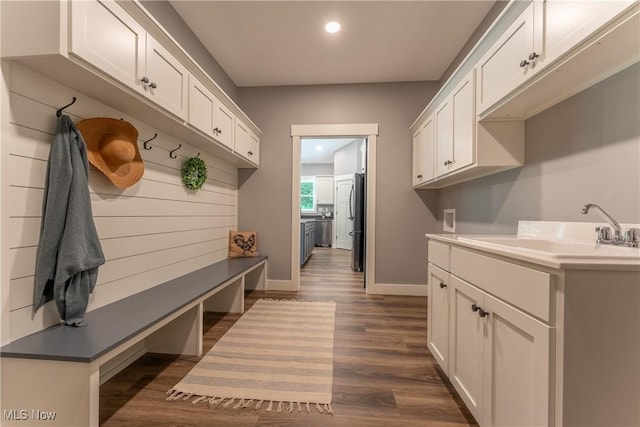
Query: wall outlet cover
pixel 449 221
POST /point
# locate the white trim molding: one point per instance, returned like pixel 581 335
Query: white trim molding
pixel 398 289
pixel 280 285
pixel 363 130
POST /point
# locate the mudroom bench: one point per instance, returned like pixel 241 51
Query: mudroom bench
pixel 54 375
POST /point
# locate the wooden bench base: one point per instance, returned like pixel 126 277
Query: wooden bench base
pixel 65 389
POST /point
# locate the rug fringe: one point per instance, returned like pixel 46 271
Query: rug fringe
pixel 239 403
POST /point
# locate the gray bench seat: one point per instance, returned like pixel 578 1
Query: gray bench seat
pixel 60 369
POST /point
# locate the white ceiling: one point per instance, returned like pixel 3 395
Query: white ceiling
pixel 272 43
pixel 310 153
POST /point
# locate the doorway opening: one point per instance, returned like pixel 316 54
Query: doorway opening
pixel 333 187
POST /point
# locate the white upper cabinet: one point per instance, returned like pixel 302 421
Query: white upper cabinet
pixel 118 54
pixel 95 28
pixel 509 62
pixel 202 104
pixel 223 124
pixel 324 190
pixel 534 56
pixel 247 144
pixel 564 23
pixel 209 115
pixel 455 128
pixel 572 37
pixel 104 35
pixel 167 79
pixel 423 152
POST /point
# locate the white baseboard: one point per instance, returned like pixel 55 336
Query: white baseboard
pixel 397 289
pixel 111 368
pixel 282 285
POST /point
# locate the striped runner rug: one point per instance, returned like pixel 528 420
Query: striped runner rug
pixel 277 357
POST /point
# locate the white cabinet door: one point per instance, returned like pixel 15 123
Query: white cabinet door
pixel 506 64
pixel 567 23
pixel 254 148
pixel 438 315
pixel 247 143
pixel 464 122
pixel 443 118
pixel 467 345
pixel 324 190
pixel 223 124
pixel 168 79
pixel 423 153
pixel 106 37
pixel 516 368
pixel 201 106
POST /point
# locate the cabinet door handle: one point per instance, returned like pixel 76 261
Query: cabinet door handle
pixel 533 56
pixel 250 153
pixel 153 86
pixel 483 313
pixel 475 307
pixel 442 285
pixel 524 63
pixel 144 80
pixel 420 176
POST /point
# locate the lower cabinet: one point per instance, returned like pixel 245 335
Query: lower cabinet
pixel 496 355
pixel 500 359
pixel 438 315
pixel 307 240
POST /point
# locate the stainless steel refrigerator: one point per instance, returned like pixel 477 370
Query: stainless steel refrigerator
pixel 357 214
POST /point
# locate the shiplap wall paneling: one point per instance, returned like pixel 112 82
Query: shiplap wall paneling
pixel 150 232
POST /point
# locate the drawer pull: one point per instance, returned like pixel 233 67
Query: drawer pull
pixel 475 307
pixel 483 313
pixel 442 285
pixel 524 63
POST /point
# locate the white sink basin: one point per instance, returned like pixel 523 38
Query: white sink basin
pixel 557 248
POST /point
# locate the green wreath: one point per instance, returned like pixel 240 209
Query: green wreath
pixel 194 173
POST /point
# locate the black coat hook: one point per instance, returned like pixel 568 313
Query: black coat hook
pixel 145 144
pixel 59 112
pixel 173 151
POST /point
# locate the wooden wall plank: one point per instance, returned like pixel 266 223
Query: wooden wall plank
pixel 26 231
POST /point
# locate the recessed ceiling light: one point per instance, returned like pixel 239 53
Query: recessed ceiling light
pixel 332 27
pixel 319 148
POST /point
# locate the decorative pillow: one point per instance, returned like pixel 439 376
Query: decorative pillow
pixel 242 244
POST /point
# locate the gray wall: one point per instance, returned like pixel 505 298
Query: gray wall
pixel 345 160
pixel 403 215
pixel 491 16
pixel 175 25
pixel 313 169
pixel 586 149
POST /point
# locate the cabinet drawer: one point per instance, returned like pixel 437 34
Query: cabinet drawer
pixel 526 288
pixel 439 255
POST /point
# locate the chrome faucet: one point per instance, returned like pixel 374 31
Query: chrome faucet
pixel 631 235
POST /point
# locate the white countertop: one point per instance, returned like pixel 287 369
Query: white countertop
pixel 551 244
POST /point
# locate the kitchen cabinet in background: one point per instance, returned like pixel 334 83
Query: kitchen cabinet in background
pixel 307 239
pixel 324 190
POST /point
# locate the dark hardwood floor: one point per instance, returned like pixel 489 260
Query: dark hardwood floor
pixel 383 373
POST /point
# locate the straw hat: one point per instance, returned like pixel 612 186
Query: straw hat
pixel 112 147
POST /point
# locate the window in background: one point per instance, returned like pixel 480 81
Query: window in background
pixel 308 194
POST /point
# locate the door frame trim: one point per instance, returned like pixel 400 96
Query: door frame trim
pixel 360 130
